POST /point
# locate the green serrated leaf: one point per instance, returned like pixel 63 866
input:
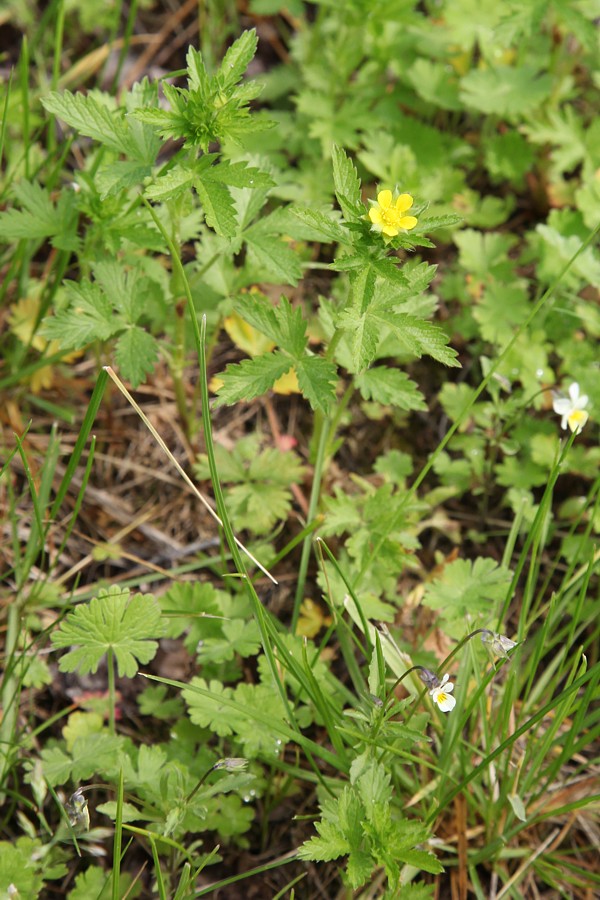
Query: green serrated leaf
pixel 240 175
pixel 94 753
pixel 113 620
pixel 198 78
pixel 291 328
pixel 172 184
pixel 323 227
pixel 317 378
pixel 90 317
pixel 364 335
pixel 390 387
pixel 432 82
pixel 468 588
pixel 347 186
pixel 218 205
pixel 273 258
pixel 505 90
pixel 40 218
pixel 94 117
pixel 56 765
pixel 331 844
pixel 252 377
pixel 136 352
pixel 259 312
pixel 237 58
pixel 420 337
pixel 120 176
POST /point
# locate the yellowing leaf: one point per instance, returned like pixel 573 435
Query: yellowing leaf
pixel 247 338
pixel 22 319
pixel 312 619
pixel 287 384
pixel 215 383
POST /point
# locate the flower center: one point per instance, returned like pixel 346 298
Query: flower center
pixel 577 419
pixel 391 216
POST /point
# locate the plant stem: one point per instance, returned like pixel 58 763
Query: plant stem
pixel 110 661
pixel 322 427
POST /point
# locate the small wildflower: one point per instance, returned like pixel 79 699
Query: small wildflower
pixel 499 643
pixel 571 408
pixel 231 763
pixel 442 694
pixel 387 214
pixel 77 810
pixel 429 678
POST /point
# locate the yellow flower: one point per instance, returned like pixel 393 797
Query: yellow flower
pixel 387 215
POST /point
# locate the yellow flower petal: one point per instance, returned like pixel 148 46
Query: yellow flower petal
pixel 375 215
pixel 577 420
pixel 384 198
pixel 407 222
pixel 404 202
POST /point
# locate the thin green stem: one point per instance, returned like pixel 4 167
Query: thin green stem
pixel 25 105
pixel 313 503
pixel 110 662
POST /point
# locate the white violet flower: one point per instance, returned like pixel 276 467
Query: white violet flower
pixel 442 694
pixel 499 643
pixel 572 409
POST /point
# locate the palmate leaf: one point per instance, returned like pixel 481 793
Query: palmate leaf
pixel 505 91
pixel 468 588
pixel 114 620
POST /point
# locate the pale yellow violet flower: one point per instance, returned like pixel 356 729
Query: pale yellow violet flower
pixel 387 215
pixel 442 694
pixel 572 409
pixel 499 643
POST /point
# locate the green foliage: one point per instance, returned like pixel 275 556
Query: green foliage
pixel 261 479
pixel 40 217
pixel 115 621
pixel 215 625
pixel 468 590
pixel 97 116
pixel 446 500
pixel 287 328
pixel 212 107
pixel 359 824
pixel 113 304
